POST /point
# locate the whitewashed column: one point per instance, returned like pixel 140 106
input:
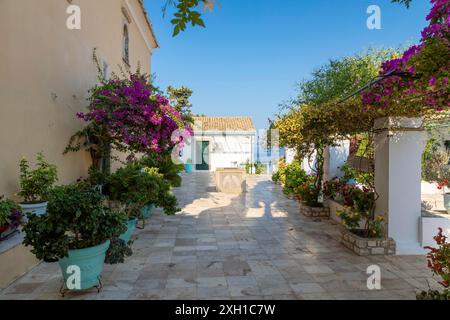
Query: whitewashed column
pixel 290 155
pixel 399 143
pixel 334 158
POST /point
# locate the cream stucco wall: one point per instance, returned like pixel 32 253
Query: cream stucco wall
pixel 46 71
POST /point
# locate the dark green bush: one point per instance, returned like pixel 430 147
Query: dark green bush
pixel 76 219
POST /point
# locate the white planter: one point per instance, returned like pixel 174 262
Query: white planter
pixel 447 202
pixel 429 225
pixel 39 209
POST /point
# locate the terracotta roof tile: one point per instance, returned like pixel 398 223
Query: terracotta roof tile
pixel 224 123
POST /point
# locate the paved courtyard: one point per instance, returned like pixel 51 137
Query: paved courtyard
pixel 253 246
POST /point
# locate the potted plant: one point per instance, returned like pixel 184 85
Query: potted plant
pixel 188 167
pixel 10 217
pixel 75 232
pixel 35 185
pixel 166 166
pixel 158 191
pixel 125 189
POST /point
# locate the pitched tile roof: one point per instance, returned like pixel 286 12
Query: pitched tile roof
pixel 224 123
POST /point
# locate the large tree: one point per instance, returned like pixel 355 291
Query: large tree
pixel 179 99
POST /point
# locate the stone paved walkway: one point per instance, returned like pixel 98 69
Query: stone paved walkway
pixel 253 246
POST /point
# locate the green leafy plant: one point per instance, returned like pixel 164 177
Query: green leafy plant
pixel 363 199
pixel 248 167
pixel 259 168
pixel 294 177
pixel 350 218
pixel 308 193
pixel 165 166
pixel 331 188
pixel 135 186
pixel 350 173
pixel 186 13
pixel 36 184
pixel 435 165
pixel 10 214
pixel 76 219
pixel 279 176
pixel 118 250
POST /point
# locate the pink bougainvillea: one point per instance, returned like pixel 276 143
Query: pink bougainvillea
pixel 135 118
pixel 419 79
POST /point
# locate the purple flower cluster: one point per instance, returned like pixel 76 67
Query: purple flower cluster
pixel 133 115
pixel 418 73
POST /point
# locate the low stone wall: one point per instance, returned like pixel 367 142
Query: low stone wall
pixel 322 212
pixel 335 207
pixel 368 246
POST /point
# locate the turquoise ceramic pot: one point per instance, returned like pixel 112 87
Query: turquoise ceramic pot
pixel 89 260
pixel 147 211
pixel 131 225
pixel 189 168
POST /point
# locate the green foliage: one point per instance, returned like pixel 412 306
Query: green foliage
pixel 365 147
pixel 376 227
pixel 279 176
pixel 35 184
pixel 308 192
pixel 294 177
pixel 365 178
pixel 258 166
pixel 118 251
pixel 179 99
pixel 9 213
pixel 166 167
pixel 363 200
pixel 350 218
pixel 159 193
pixel 128 185
pixel 435 159
pixel 341 77
pixel 434 295
pixel 185 14
pixel 135 185
pixel 332 188
pixel 76 219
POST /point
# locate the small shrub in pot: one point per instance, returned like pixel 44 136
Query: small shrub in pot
pixel 76 231
pixel 35 184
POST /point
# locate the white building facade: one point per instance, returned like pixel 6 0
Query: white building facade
pixel 221 142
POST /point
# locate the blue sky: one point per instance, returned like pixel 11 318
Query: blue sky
pixel 253 52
